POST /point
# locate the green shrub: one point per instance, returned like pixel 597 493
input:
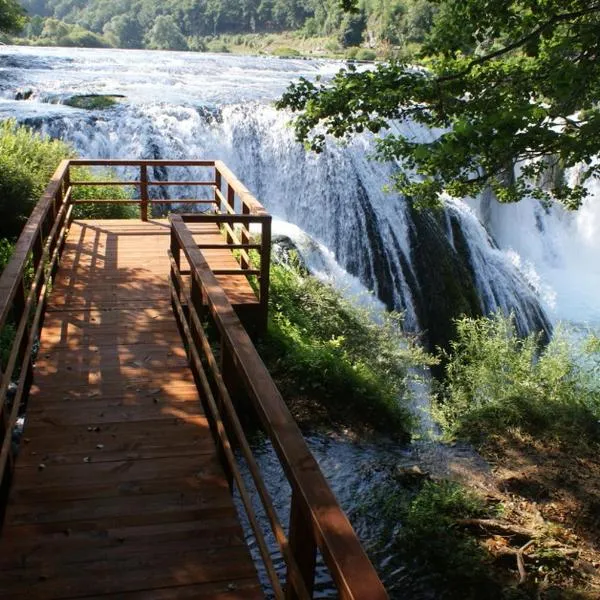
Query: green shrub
pixel 27 162
pixel 351 52
pixel 496 381
pixel 322 346
pixel 365 54
pixel 6 250
pixel 218 46
pixel 332 46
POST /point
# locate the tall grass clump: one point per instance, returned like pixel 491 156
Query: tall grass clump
pixel 329 356
pixel 496 381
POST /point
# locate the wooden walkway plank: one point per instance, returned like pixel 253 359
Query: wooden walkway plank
pixel 118 491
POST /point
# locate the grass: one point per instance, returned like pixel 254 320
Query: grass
pixel 497 382
pixel 418 532
pixel 330 358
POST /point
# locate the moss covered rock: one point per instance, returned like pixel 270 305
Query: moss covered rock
pixel 93 101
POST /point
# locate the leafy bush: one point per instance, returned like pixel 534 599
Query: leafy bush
pixel 351 52
pixel 366 54
pixel 322 346
pixel 497 381
pixel 6 250
pixel 27 162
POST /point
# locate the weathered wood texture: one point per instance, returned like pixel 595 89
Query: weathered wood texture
pixel 118 491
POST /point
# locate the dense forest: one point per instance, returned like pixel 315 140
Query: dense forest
pixel 191 24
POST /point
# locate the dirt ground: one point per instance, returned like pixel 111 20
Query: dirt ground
pixel 547 540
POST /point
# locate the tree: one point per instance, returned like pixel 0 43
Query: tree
pixel 55 29
pixel 352 29
pixel 125 31
pixel 12 16
pixel 502 83
pixel 165 35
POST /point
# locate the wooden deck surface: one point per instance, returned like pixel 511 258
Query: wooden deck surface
pixel 118 492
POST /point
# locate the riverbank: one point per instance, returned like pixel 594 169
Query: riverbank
pixel 286 44
pixel 546 543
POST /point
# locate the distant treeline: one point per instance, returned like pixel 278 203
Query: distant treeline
pixel 187 24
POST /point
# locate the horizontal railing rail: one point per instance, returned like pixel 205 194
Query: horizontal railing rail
pixel 24 286
pixel 228 190
pixel 316 521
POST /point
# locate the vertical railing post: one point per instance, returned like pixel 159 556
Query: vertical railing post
pixel 231 204
pixel 217 187
pixel 265 269
pixel 144 192
pixel 304 548
pixel 175 248
pixel 64 191
pixel 245 238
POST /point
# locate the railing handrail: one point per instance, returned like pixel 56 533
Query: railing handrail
pixel 16 266
pixel 38 247
pixel 249 203
pixel 240 189
pixel 350 567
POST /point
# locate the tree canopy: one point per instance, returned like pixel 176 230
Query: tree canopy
pixel 503 83
pixel 12 16
pixel 394 22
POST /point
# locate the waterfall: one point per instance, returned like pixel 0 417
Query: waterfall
pixel 431 266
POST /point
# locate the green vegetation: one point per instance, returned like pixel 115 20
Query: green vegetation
pixel 365 54
pixel 286 52
pixel 12 16
pixel 181 25
pixel 503 81
pixel 496 382
pixel 417 521
pixel 6 250
pixel 27 162
pixel 102 192
pixel 322 348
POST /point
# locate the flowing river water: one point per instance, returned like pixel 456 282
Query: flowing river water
pixel 538 262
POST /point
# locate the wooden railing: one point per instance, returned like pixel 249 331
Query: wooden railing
pixel 24 286
pixel 225 185
pixel 230 205
pixel 316 521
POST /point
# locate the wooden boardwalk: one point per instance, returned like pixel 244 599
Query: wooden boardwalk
pixel 117 490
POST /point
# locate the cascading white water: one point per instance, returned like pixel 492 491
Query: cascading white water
pixel 561 248
pixel 182 105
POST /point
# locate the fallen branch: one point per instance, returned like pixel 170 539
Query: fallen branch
pixel 496 526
